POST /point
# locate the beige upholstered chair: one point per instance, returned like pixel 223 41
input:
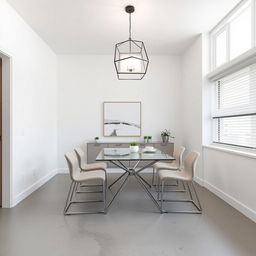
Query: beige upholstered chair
pixel 186 175
pixel 88 167
pixel 174 166
pixel 78 177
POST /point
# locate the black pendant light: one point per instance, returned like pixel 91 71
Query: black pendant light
pixel 131 59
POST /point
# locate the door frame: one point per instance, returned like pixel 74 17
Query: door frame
pixel 7 130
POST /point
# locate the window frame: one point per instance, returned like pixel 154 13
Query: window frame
pixel 224 25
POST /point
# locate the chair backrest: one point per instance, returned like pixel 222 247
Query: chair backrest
pixel 190 163
pixel 178 154
pixel 80 156
pixel 72 165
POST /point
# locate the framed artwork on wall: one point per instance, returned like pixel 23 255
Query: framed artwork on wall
pixel 122 118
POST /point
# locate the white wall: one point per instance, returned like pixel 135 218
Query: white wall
pixel 192 101
pixel 34 107
pixel 232 177
pixel 85 82
pixel 228 175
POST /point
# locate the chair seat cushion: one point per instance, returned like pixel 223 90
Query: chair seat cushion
pixel 90 175
pixel 167 174
pixel 94 166
pixel 164 165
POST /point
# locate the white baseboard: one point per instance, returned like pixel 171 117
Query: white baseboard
pixel 25 193
pixel 248 212
pixel 199 181
pixel 251 214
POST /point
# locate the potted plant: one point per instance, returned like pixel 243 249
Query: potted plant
pixel 165 135
pixel 96 139
pixel 149 139
pixel 134 147
pixel 145 139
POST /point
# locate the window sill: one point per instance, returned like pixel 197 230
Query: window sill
pixel 232 150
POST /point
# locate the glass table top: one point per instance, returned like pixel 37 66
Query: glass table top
pixel 124 154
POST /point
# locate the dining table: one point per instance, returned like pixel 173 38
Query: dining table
pixel 132 164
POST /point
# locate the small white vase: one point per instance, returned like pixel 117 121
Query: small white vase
pixel 134 149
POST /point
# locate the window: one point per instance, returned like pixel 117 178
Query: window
pixel 221 48
pixel 234 35
pixel 241 28
pixel 234 116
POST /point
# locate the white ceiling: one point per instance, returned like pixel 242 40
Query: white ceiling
pixel 94 26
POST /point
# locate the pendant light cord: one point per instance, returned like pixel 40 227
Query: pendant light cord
pixel 130 26
pixel 130 31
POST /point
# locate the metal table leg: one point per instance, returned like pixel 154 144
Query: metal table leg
pixel 143 168
pixel 144 180
pixel 120 177
pixel 139 178
pixel 148 192
pixel 119 190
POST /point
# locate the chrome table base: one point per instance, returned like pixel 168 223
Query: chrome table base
pixel 136 173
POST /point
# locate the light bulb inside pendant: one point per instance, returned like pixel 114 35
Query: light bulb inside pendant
pixel 131 63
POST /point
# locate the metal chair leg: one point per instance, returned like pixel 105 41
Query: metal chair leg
pixel 183 185
pixel 190 200
pixel 68 197
pixel 166 185
pixel 173 185
pixel 105 194
pixel 76 187
pixel 162 195
pixel 197 198
pixel 80 185
pixel 153 176
pixel 70 201
pixel 104 197
pixel 189 191
pixel 89 185
pixel 158 188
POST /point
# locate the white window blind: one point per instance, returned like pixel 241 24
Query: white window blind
pixel 234 115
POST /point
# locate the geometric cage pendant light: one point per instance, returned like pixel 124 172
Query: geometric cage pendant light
pixel 131 59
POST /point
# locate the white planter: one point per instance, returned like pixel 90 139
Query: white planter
pixel 134 149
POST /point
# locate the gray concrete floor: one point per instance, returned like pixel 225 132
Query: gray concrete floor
pixel 132 227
